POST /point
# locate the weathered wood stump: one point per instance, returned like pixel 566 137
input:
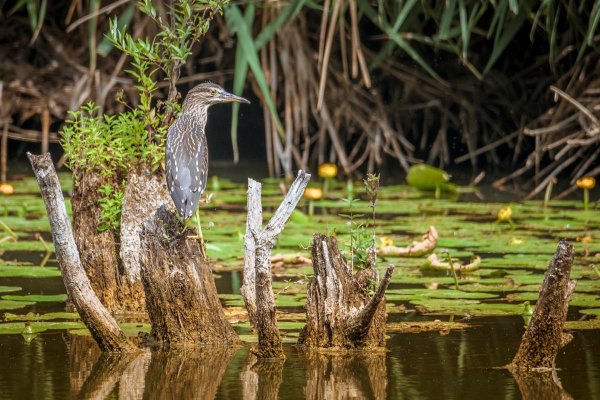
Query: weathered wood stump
pixel 181 296
pixel 340 313
pixel 257 288
pixel 95 316
pixel 544 336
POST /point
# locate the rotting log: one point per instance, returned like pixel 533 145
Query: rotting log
pixel 95 316
pixel 181 296
pixel 257 288
pixel 544 336
pixel 340 312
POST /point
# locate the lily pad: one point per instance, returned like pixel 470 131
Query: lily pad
pixel 37 327
pixel 28 272
pixel 41 317
pixel 14 305
pixel 38 298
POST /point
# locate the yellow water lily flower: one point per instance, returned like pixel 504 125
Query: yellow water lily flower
pixel 505 214
pixel 7 188
pixel 516 241
pixel 386 241
pixel 585 239
pixel 587 182
pixel 313 193
pixel 328 170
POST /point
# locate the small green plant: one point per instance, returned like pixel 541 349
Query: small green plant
pixel 111 146
pixel 362 242
pixel 110 208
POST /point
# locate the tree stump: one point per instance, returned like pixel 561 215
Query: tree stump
pixel 340 313
pixel 181 296
pixel 95 316
pixel 257 288
pixel 544 336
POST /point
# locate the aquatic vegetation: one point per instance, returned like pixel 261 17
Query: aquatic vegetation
pixel 509 271
pixel 427 178
pixel 415 249
pixel 586 183
pixel 327 172
pixel 433 263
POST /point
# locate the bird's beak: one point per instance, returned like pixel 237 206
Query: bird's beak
pixel 230 98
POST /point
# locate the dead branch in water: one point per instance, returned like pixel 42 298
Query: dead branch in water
pixel 257 288
pixel 95 316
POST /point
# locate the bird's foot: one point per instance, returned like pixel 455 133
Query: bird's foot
pixel 200 240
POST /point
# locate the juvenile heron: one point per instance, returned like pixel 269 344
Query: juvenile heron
pixel 187 151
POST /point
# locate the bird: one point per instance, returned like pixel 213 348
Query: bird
pixel 186 158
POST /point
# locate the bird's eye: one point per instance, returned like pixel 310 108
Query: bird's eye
pixel 213 92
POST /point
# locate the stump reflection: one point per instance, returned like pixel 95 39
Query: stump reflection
pixel 261 378
pixel 356 375
pixel 540 385
pixel 193 373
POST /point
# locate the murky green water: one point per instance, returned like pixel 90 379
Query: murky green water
pixel 438 364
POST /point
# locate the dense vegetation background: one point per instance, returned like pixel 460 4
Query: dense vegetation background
pixel 506 85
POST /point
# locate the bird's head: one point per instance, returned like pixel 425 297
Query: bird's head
pixel 207 94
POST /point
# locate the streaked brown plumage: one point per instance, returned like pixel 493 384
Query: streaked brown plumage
pixel 187 151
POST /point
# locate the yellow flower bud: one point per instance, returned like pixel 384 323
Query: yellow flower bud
pixel 7 188
pixel 328 170
pixel 587 182
pixel 313 193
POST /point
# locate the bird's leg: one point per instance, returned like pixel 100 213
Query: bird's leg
pixel 199 235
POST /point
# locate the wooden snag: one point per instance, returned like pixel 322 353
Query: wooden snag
pixel 348 375
pixel 181 296
pixel 544 336
pixel 95 316
pixel 257 288
pixel 340 312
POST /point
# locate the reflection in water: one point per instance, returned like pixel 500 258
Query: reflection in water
pixel 193 373
pixel 540 385
pixel 56 365
pixel 356 375
pixel 261 378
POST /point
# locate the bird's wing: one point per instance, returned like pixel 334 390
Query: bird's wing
pixel 186 169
